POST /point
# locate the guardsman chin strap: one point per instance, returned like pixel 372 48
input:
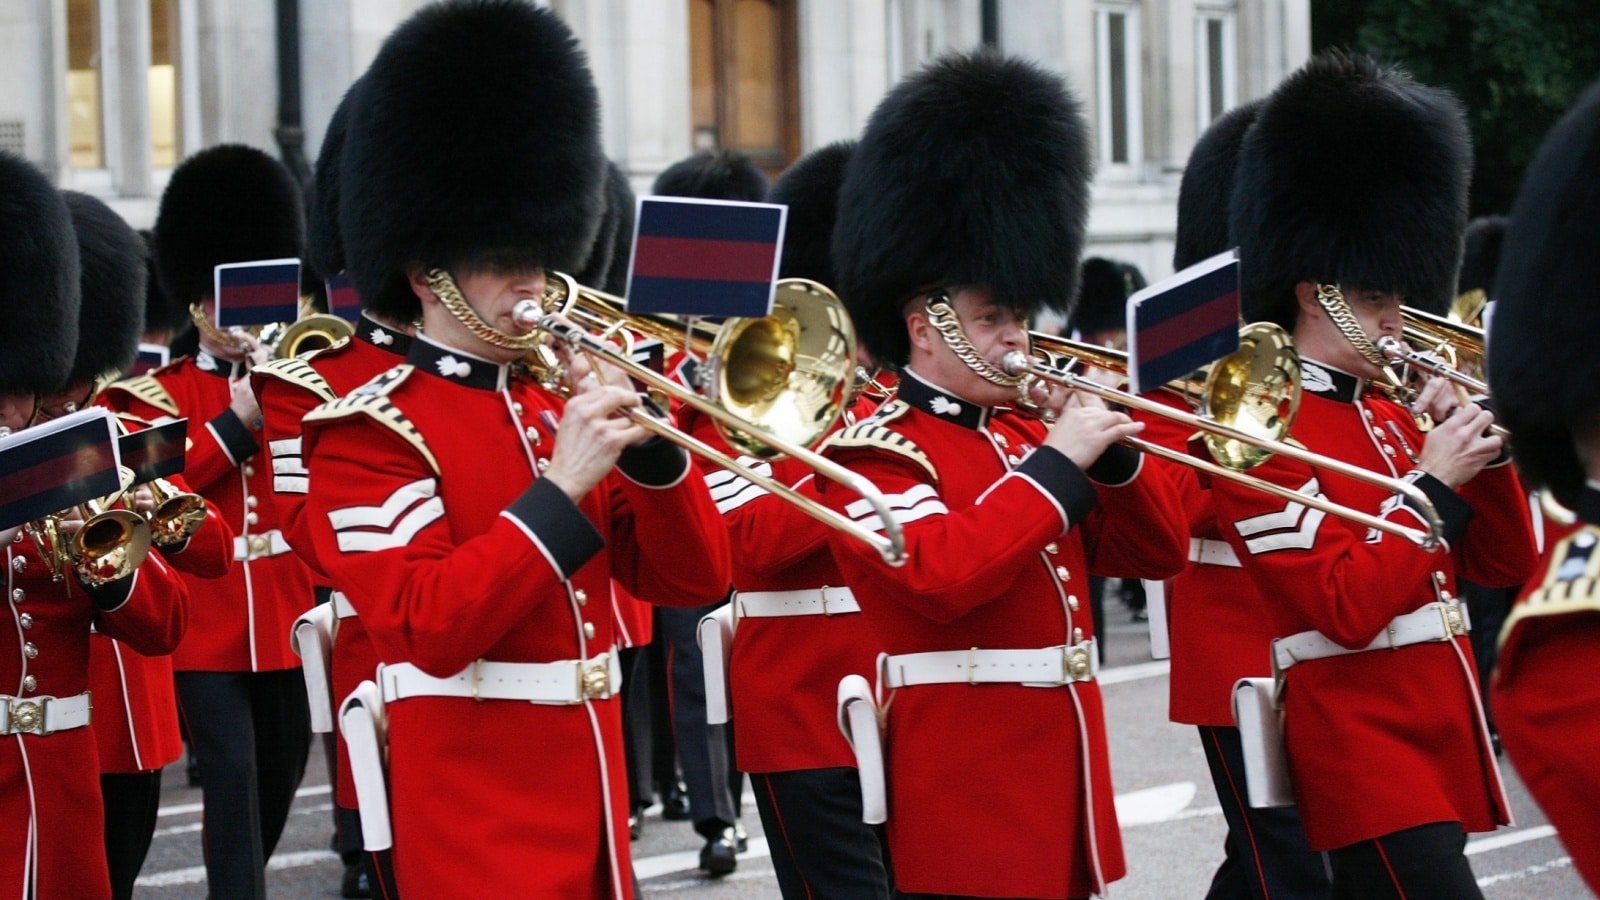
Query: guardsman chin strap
pixel 1338 308
pixel 942 316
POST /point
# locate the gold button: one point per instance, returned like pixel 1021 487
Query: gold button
pixel 588 630
pixel 251 501
pixel 251 518
pixel 1001 440
pixel 29 682
pixel 1077 635
pixel 1052 547
pixel 581 596
pixel 1072 602
pixel 30 651
pixel 17 595
pixel 1062 573
pixel 25 620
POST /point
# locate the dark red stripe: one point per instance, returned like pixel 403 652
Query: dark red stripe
pixel 274 294
pixel 709 260
pixel 1206 319
pixel 53 473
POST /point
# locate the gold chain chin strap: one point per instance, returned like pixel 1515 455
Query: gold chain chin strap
pixel 211 332
pixel 1338 310
pixel 943 318
pixel 444 287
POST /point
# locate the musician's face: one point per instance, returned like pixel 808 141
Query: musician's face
pixel 71 398
pixel 16 410
pixel 1377 312
pixel 493 296
pixel 994 330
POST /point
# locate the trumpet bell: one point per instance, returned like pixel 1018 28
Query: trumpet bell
pixel 177 515
pixel 317 331
pixel 1255 389
pixel 110 546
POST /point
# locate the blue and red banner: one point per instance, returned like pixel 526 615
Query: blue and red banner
pixel 1183 322
pixel 150 358
pixel 57 465
pixel 343 301
pixel 257 293
pixel 155 452
pixel 705 257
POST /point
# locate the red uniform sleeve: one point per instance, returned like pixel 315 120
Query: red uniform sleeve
pixel 1139 528
pixel 668 543
pixel 147 611
pixel 283 405
pixel 1498 549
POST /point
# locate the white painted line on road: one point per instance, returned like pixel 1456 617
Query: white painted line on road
pixel 183 809
pixel 1135 672
pixel 1509 838
pixel 192 827
pixel 1157 804
pixel 197 874
pixel 687 860
pixel 1560 862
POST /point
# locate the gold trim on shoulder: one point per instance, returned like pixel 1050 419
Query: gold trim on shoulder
pixel 297 372
pixel 873 431
pixel 372 400
pixel 1570 584
pixel 148 390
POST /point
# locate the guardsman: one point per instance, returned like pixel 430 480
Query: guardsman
pixel 239 684
pixel 950 235
pixel 474 519
pixel 1543 379
pixel 1349 198
pixel 49 770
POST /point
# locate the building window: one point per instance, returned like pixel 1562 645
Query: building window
pixel 1118 97
pixel 163 82
pixel 1216 65
pixel 85 124
pixel 745 79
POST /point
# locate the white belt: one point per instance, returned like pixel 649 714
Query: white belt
pixel 257 546
pixel 1044 667
pixel 1439 621
pixel 1209 552
pixel 341 606
pixel 43 715
pixel 827 601
pixel 567 682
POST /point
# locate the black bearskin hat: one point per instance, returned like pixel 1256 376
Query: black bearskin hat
pixel 1543 371
pixel 1480 254
pixel 324 246
pixel 1207 188
pixel 713 175
pixel 974 170
pixel 160 313
pixel 810 188
pixel 614 240
pixel 1103 296
pixel 475 144
pixel 1353 174
pixel 39 282
pixel 111 313
pixel 225 204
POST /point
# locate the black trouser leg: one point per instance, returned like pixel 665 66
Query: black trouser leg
pixel 663 743
pixel 1266 854
pixel 1488 608
pixel 283 741
pixel 131 802
pixel 704 756
pixel 636 725
pixel 820 847
pixel 1097 613
pixel 1423 863
pixel 218 709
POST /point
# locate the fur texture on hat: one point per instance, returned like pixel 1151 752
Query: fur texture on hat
pixel 111 311
pixel 1103 296
pixel 225 204
pixel 810 188
pixel 1544 374
pixel 1207 188
pixel 39 287
pixel 1480 254
pixel 614 240
pixel 160 313
pixel 713 175
pixel 974 170
pixel 475 145
pixel 324 245
pixel 1353 174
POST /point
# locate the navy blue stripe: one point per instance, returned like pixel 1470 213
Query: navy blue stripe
pixel 284 273
pixel 58 498
pixel 758 224
pixel 698 297
pixel 1158 371
pixel 1180 299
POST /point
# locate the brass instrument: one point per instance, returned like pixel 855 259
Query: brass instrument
pixel 111 544
pixel 312 331
pixel 1443 348
pixel 177 515
pixel 1246 408
pixel 774 385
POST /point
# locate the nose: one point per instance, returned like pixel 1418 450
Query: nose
pixel 1392 322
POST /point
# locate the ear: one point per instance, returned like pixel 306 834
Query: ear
pixel 418 279
pixel 1305 295
pixel 922 333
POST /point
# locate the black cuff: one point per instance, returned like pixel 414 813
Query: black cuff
pixel 557 526
pixel 1116 466
pixel 1063 480
pixel 1453 511
pixel 657 462
pixel 235 437
pixel 110 597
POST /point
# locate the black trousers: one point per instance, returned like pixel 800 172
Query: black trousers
pixel 705 753
pixel 1423 863
pixel 820 847
pixel 131 802
pixel 636 730
pixel 251 732
pixel 1265 855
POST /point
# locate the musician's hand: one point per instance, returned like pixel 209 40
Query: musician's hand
pixel 1460 446
pixel 1086 428
pixel 592 434
pixel 244 404
pixel 141 500
pixel 71 522
pixel 1438 399
pixel 257 353
pixel 581 366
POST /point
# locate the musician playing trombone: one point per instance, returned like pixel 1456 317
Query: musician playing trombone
pixel 475 519
pixel 1349 198
pixel 950 233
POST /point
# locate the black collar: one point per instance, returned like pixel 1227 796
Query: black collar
pixel 1329 383
pixel 938 402
pixel 456 366
pixel 1589 503
pixel 222 368
pixel 382 336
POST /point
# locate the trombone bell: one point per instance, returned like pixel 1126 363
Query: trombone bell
pixel 1254 389
pixel 317 331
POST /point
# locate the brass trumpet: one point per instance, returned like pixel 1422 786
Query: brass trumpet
pixel 110 546
pixel 177 514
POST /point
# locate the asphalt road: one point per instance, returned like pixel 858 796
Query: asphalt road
pixel 1172 828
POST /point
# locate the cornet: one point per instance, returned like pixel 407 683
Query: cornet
pixel 110 546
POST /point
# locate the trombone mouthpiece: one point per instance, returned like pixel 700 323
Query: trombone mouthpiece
pixel 527 313
pixel 1015 363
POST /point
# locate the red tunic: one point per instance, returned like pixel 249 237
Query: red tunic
pixel 450 557
pixel 996 789
pixel 1378 741
pixel 1546 696
pixel 241 621
pixel 50 784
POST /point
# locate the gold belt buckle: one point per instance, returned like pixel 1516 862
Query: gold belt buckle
pixel 1454 625
pixel 258 545
pixel 1079 667
pixel 27 717
pixel 594 679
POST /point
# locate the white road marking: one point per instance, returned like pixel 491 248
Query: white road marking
pixel 1560 862
pixel 197 874
pixel 1157 804
pixel 1135 672
pixel 183 809
pixel 1509 838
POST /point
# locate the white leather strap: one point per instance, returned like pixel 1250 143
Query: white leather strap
pixel 715 634
pixel 567 682
pixel 826 601
pixel 43 715
pixel 341 606
pixel 1438 621
pixel 1044 667
pixel 259 546
pixel 1209 552
pixel 312 638
pixel 365 726
pixel 858 721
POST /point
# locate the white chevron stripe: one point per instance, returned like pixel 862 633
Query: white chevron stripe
pixel 906 500
pixel 1288 517
pixel 383 516
pixel 404 530
pixel 729 502
pixel 904 517
pixel 291 484
pixel 1292 528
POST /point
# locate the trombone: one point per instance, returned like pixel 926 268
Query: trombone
pixel 1244 416
pixel 1455 351
pixel 775 385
